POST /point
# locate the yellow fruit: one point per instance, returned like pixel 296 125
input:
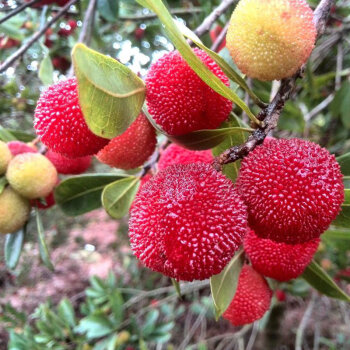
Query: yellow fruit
pixel 5 157
pixel 32 175
pixel 14 211
pixel 271 39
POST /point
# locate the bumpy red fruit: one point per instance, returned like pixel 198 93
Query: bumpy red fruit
pixel 176 154
pixel 280 261
pixel 66 165
pixel 293 190
pixel 252 298
pixel 187 222
pixel 60 123
pixel 132 148
pixel 18 147
pixel 179 101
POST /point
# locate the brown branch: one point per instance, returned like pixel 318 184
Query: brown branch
pixel 86 30
pixel 220 38
pixel 18 10
pixel 270 115
pixel 7 63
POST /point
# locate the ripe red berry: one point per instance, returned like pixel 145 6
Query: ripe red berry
pixel 61 63
pixel 280 261
pixel 252 298
pixel 60 123
pixel 18 147
pixel 49 202
pixel 176 154
pixel 187 222
pixel 179 101
pixel 132 148
pixel 280 295
pixel 293 190
pixel 66 165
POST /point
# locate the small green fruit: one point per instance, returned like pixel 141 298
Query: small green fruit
pixel 5 157
pixel 14 211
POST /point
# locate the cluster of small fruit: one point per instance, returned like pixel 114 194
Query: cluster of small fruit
pixel 30 179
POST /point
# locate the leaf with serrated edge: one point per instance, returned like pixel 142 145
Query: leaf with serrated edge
pixel 110 94
pixel 224 285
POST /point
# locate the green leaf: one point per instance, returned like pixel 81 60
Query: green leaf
pixel 13 248
pixel 341 104
pixel 177 287
pixel 66 312
pixel 344 162
pixel 21 136
pixel 95 326
pixel 81 194
pixel 149 324
pixel 46 70
pixel 322 282
pixel 118 196
pixel 223 286
pixel 339 235
pixel 186 52
pixel 3 183
pixel 343 219
pixel 110 94
pixel 108 9
pixel 44 252
pixel 5 135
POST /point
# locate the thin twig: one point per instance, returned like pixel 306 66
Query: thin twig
pixel 7 63
pixel 220 38
pixel 85 33
pixel 18 10
pixel 270 115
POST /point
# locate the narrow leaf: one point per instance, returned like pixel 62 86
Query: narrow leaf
pixel 223 286
pixel 343 219
pixel 5 135
pixel 110 94
pixel 13 248
pixel 3 183
pixel 339 235
pixel 321 281
pixel 344 162
pixel 66 312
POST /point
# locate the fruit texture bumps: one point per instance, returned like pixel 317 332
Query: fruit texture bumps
pixel 293 190
pixel 179 101
pixel 271 39
pixel 252 298
pixel 280 261
pixel 60 123
pixel 66 165
pixel 187 222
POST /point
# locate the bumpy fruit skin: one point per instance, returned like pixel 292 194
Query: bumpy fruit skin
pixel 252 298
pixel 5 157
pixel 14 211
pixel 187 222
pixel 280 261
pixel 271 39
pixel 68 166
pixel 132 148
pixel 293 190
pixel 32 175
pixel 60 123
pixel 179 101
pixel 18 147
pixel 176 154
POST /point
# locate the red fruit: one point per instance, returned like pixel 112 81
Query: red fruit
pixel 176 154
pixel 68 29
pixel 66 165
pixel 60 123
pixel 280 261
pixel 132 148
pixel 214 33
pixel 8 43
pixel 280 295
pixel 18 147
pixel 252 298
pixel 139 33
pixel 187 222
pixel 179 101
pixel 293 190
pixel 49 202
pixel 61 63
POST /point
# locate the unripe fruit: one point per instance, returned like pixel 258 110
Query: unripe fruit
pixel 60 123
pixel 66 165
pixel 293 190
pixel 32 175
pixel 271 39
pixel 132 148
pixel 252 298
pixel 187 222
pixel 280 261
pixel 18 147
pixel 176 154
pixel 5 157
pixel 179 101
pixel 14 211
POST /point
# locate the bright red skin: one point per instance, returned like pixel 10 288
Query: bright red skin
pixel 68 166
pixel 50 202
pixel 280 261
pixel 293 190
pixel 67 31
pixel 214 33
pixel 187 222
pixel 18 147
pixel 175 154
pixel 60 123
pixel 252 298
pixel 179 101
pixel 50 2
pixel 8 43
pixel 132 148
